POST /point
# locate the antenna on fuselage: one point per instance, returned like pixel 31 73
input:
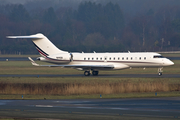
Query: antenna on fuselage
pixel 129 51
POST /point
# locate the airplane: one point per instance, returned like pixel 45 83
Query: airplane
pixel 92 63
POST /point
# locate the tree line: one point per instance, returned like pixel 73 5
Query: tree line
pixel 91 27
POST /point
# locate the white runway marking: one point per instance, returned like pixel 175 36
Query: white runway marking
pixel 44 106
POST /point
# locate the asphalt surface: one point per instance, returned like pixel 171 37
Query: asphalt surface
pixel 139 108
pixel 100 75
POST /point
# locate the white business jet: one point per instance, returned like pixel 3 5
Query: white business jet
pixel 91 63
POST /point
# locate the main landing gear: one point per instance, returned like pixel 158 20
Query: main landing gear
pixel 160 70
pixel 94 73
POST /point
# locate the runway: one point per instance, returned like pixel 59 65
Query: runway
pixel 100 75
pixel 134 108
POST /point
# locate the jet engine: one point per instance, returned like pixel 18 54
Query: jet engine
pixel 41 59
pixel 61 58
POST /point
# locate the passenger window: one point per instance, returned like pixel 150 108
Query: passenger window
pixel 96 58
pixel 127 58
pixel 140 58
pixel 92 58
pixel 118 58
pixel 84 58
pixel 109 58
pixel 144 58
pixel 105 58
pixel 114 58
pixel 122 58
pixel 88 58
pixel 101 58
pixel 131 58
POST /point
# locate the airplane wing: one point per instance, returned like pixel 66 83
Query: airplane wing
pixel 75 66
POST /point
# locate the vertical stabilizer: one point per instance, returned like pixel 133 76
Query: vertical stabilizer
pixel 44 46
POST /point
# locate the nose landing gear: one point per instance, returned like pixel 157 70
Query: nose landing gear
pixel 160 70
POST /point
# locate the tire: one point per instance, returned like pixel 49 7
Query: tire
pixel 95 73
pixel 159 73
pixel 86 73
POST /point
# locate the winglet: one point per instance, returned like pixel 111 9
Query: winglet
pixel 33 62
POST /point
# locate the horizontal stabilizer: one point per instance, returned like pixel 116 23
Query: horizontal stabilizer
pixel 25 37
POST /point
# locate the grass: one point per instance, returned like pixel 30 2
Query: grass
pixel 85 85
pixel 171 54
pixel 84 80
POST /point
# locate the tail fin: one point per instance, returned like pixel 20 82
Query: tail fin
pixel 44 46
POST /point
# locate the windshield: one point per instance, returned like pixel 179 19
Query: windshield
pixel 158 56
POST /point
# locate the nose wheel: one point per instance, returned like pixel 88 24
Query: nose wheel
pixel 159 73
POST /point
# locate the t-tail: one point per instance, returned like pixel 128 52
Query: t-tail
pixel 44 46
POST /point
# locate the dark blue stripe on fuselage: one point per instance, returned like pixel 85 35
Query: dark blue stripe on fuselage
pixel 40 49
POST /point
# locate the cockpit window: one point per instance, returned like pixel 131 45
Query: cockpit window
pixel 157 56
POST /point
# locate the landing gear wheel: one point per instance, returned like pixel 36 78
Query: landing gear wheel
pixel 86 73
pixel 95 73
pixel 160 73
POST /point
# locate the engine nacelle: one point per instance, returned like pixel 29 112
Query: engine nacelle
pixel 60 58
pixel 41 59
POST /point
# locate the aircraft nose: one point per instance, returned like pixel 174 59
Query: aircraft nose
pixel 172 63
pixel 169 62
